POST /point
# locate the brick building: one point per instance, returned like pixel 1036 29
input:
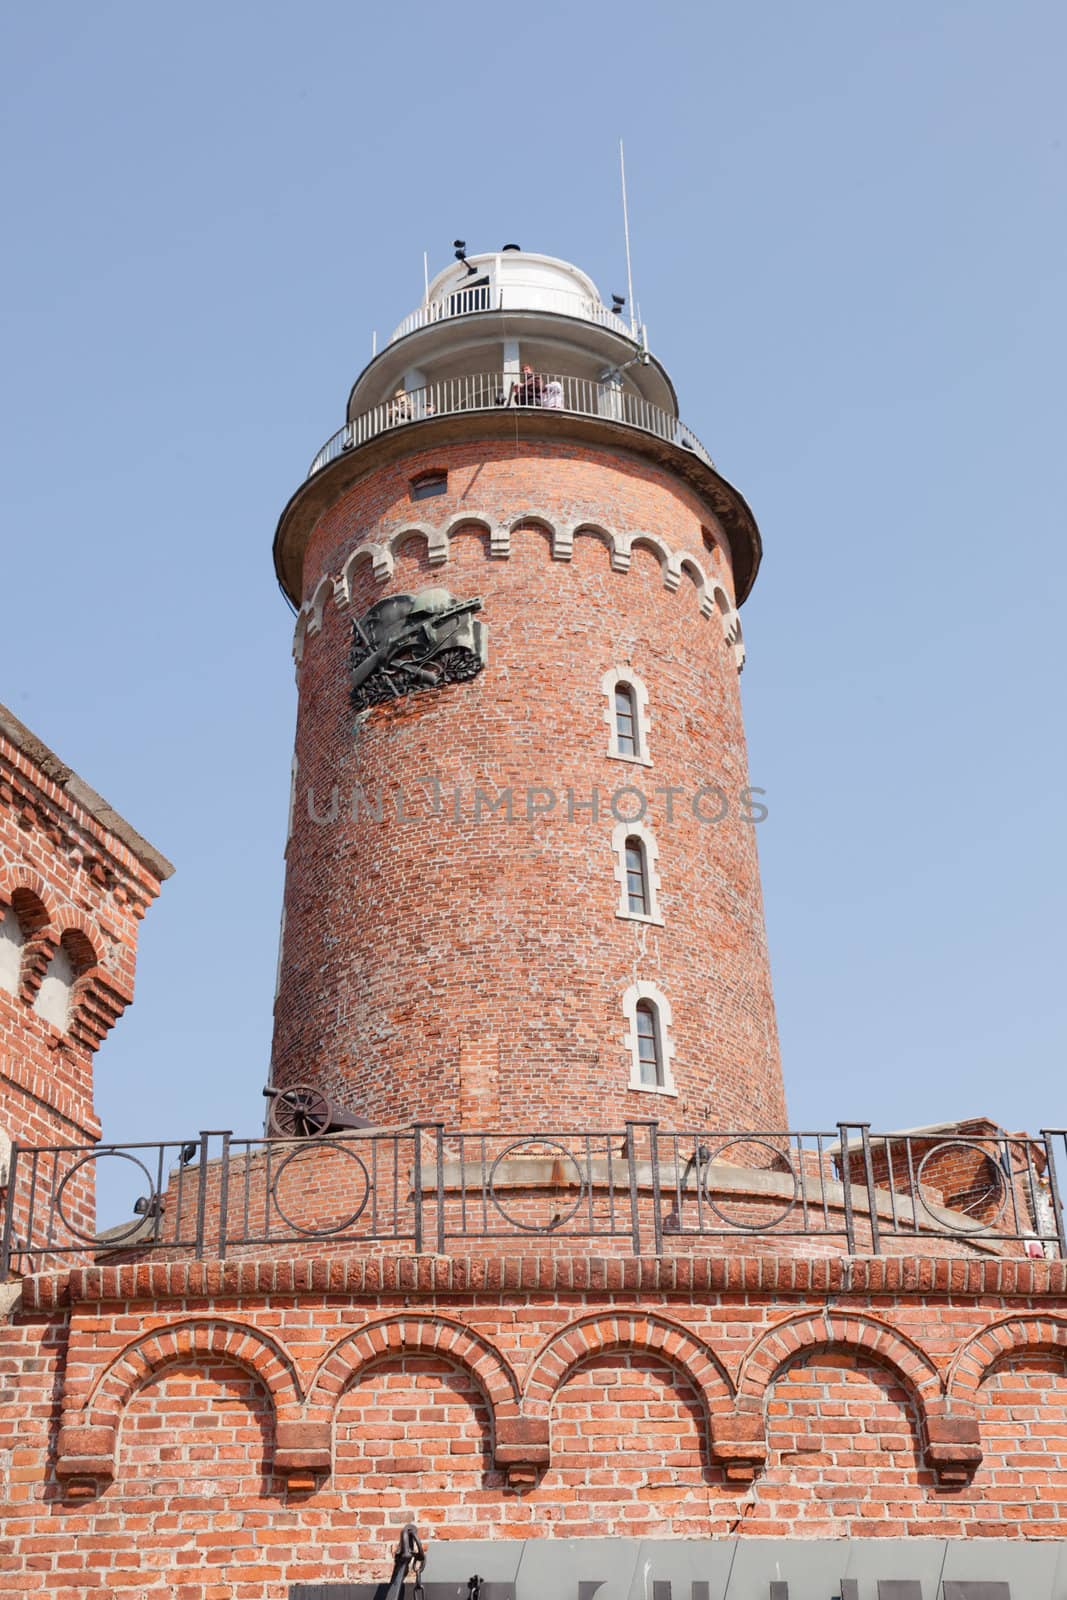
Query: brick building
pixel 528 1256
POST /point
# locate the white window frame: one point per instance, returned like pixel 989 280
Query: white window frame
pixel 619 835
pixel 643 990
pixel 619 677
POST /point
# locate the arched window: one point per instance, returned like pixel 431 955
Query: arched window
pixel 636 854
pixel 12 941
pixel 637 887
pixel 626 715
pixel 627 735
pixel 648 1040
pixel 649 1044
pixel 73 956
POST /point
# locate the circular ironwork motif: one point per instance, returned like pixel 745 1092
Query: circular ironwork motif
pixel 539 1146
pixel 304 1149
pixel 995 1190
pixel 763 1222
pixel 114 1236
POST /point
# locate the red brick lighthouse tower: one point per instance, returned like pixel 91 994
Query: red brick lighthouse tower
pixel 526 1259
pixel 522 882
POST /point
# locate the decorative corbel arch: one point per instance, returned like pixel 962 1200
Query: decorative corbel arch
pixel 400 1335
pixel 624 544
pixel 497 536
pixel 680 563
pixel 88 1436
pixel 950 1439
pixel 532 519
pixel 605 1332
pixel 591 530
pixel 436 543
pixel 1012 1336
pixel 850 1331
pixel 380 557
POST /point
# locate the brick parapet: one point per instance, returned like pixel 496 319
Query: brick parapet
pixel 370 1276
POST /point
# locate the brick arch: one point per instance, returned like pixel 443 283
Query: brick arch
pixel 1018 1335
pixel 84 939
pixel 14 879
pixel 88 1437
pixel 403 1335
pixel 809 1332
pixel 600 1334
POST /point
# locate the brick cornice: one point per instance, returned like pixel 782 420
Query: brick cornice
pixel 520 1274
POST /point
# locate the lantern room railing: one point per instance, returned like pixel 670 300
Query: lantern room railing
pixel 465 302
pixel 496 391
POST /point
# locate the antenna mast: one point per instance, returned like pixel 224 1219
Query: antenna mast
pixel 626 233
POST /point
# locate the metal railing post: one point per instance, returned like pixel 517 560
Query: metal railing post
pixel 846 1185
pixel 224 1192
pixel 9 1213
pixel 439 1157
pixel 201 1196
pixel 416 1180
pixel 868 1172
pixel 657 1194
pixel 1047 1136
pixel 635 1199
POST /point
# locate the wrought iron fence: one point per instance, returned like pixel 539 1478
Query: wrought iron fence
pixel 494 391
pixel 426 1187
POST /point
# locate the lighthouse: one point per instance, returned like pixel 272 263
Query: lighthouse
pixel 522 883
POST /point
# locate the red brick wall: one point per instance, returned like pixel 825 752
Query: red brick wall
pixel 216 1432
pixel 407 942
pixel 71 879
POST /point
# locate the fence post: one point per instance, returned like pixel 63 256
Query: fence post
pixel 657 1198
pixel 9 1213
pixel 201 1196
pixel 635 1200
pixel 1048 1135
pixel 868 1172
pixel 439 1158
pixel 416 1180
pixel 224 1191
pixel 846 1185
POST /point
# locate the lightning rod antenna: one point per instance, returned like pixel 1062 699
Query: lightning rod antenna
pixel 425 276
pixel 626 233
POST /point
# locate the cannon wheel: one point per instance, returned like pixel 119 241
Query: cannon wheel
pixel 299 1112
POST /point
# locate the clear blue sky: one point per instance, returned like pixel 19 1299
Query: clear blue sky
pixel 849 247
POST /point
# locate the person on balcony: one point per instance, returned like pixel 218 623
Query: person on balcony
pixel 529 390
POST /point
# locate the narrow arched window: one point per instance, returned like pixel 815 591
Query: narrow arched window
pixel 638 897
pixel 627 732
pixel 649 1043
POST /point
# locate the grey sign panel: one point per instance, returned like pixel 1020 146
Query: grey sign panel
pixel 731 1569
pixel 975 1589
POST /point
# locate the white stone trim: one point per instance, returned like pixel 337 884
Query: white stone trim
pixel 643 990
pixel 12 945
pixel 674 565
pixel 609 683
pixel 619 835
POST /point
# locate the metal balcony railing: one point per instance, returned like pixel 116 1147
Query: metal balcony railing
pixel 464 302
pixel 637 1188
pixel 494 391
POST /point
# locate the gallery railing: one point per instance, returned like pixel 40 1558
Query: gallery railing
pixel 497 391
pixel 424 1188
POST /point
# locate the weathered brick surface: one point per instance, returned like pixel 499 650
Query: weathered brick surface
pixel 441 965
pixel 68 871
pixel 249 1425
